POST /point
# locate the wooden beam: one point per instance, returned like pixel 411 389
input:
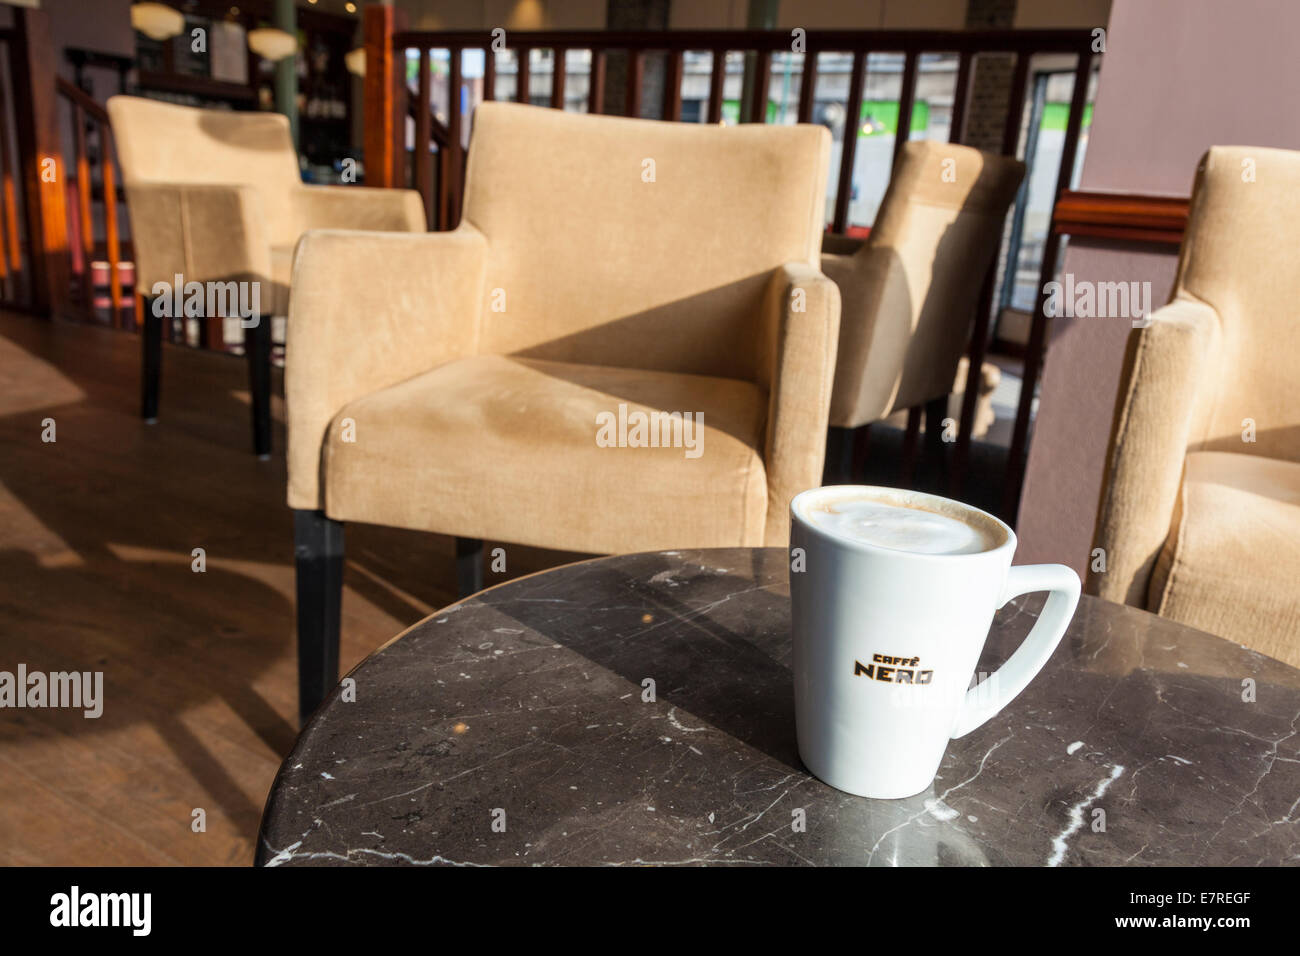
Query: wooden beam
pixel 762 80
pixel 401 113
pixel 596 91
pixel 673 87
pixel 635 76
pixel 84 211
pixel 808 85
pixel 523 66
pixel 558 77
pixel 9 191
pixel 489 74
pixel 848 149
pixel 40 153
pixel 381 119
pixel 423 138
pixel 442 213
pixel 112 238
pixel 455 149
pixel 906 97
pixel 717 77
pixel 960 97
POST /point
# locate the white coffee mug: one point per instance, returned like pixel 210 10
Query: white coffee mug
pixel 886 642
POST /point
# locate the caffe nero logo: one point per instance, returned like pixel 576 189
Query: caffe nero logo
pixel 893 670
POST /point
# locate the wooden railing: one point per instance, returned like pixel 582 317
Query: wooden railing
pixel 388 105
pixel 15 253
pixel 50 185
pixel 88 116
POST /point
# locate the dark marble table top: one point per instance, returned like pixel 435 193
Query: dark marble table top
pixel 513 728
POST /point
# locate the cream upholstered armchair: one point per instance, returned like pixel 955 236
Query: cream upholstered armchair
pixel 215 197
pixel 1200 513
pixel 910 292
pixel 466 382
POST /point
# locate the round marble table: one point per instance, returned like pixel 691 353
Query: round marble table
pixel 639 710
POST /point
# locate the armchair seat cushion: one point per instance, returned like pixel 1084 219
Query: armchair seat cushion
pixel 507 449
pixel 1231 562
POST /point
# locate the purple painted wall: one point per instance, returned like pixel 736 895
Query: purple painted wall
pixel 1178 77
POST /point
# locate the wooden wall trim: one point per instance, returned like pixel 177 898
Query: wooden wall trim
pixel 1130 217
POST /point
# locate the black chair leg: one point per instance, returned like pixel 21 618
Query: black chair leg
pixel 838 469
pixel 936 449
pixel 151 366
pixel 861 439
pixel 318 556
pixel 469 566
pixel 257 345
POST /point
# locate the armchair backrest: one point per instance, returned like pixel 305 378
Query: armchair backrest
pixel 638 243
pixel 165 143
pixel 909 294
pixel 1241 255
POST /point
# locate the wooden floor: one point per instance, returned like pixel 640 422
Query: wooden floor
pixel 97 533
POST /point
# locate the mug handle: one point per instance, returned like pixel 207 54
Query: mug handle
pixel 1024 665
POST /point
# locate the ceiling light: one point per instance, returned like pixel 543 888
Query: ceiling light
pixel 355 61
pixel 157 21
pixel 271 43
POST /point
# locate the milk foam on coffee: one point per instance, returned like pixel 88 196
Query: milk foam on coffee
pixel 898 527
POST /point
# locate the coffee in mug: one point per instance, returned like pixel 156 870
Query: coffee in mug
pixel 903 525
pixel 893 593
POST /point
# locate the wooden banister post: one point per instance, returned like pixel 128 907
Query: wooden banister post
pixel 382 76
pixel 40 157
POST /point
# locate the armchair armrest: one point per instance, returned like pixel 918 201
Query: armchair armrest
pixel 1168 384
pixel 369 310
pixel 802 312
pixel 359 207
pixel 204 232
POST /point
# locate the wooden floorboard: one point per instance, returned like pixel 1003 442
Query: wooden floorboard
pixel 97 532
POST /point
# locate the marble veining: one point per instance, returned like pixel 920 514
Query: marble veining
pixel 638 710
